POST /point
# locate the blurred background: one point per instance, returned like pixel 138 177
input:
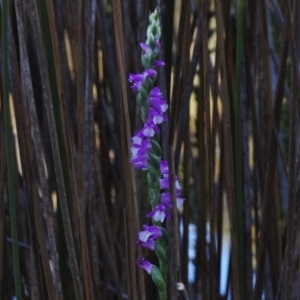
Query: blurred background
pixel 71 205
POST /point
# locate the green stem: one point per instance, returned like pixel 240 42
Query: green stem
pixel 159 282
pixel 163 296
pixel 160 251
pixel 154 172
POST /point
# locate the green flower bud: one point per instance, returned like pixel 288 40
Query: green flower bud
pixel 164 239
pixel 155 161
pixel 150 39
pixel 153 16
pixel 153 173
pixel 144 113
pixel 148 60
pixel 149 83
pixel 158 279
pixel 156 147
pixel 160 252
pixel 143 92
pixel 153 195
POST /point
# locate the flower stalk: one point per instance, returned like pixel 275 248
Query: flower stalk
pixel 146 155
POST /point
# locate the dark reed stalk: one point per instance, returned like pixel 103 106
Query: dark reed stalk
pixel 270 167
pixel 228 160
pixel 9 149
pixel 238 145
pixel 71 206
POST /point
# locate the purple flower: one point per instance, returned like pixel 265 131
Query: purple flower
pixel 150 243
pixel 150 73
pixel 148 236
pixel 150 128
pixel 136 77
pixel 147 49
pixel 140 161
pixel 179 202
pixel 177 185
pixel 141 144
pixel 164 184
pixel 159 63
pixel 139 79
pixel 157 46
pixel 157 101
pixel 164 168
pixel 139 151
pixel 155 92
pixel 165 199
pixel 156 116
pixel 149 231
pixel 142 76
pixel 158 104
pixel 137 85
pixel 159 213
pixel 136 139
pixel 145 264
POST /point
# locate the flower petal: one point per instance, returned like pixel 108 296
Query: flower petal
pixel 159 213
pixel 145 264
pixel 159 63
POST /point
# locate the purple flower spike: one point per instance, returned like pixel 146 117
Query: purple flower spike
pixel 149 231
pixel 159 213
pixel 145 264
